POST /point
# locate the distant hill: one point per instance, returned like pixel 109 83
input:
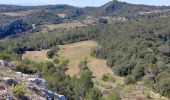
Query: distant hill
pixel 55 14
pixel 116 8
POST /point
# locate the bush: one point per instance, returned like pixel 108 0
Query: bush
pixel 21 67
pixel 108 78
pixel 93 94
pixel 18 91
pixel 124 68
pixel 147 95
pixel 50 54
pixel 130 79
pixel 114 96
pixel 163 86
pixel 138 72
pixel 128 88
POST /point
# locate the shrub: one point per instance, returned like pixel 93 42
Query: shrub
pixel 124 68
pixel 130 79
pixel 164 87
pixel 108 78
pixel 18 91
pixel 128 88
pixel 50 54
pixel 147 95
pixel 93 94
pixel 138 72
pixel 21 67
pixel 114 96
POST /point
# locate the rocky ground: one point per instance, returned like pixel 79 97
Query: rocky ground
pixel 33 86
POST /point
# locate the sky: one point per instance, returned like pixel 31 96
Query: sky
pixel 81 3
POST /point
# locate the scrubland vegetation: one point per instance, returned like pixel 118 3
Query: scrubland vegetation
pixel 137 49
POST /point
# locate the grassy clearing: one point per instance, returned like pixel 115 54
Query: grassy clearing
pixel 66 25
pixel 37 56
pixel 20 13
pixel 76 52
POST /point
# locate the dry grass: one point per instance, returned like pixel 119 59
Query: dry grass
pixel 21 13
pixel 61 15
pixel 37 56
pixel 75 53
pixel 99 68
pixel 66 25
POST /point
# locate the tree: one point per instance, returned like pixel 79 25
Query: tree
pixel 84 83
pixel 93 94
pixel 124 68
pixel 163 87
pixel 138 72
pixel 50 53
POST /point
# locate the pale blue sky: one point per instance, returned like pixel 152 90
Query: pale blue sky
pixel 81 3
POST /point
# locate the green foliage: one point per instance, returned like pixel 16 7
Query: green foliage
pixel 84 84
pixel 163 84
pixel 93 94
pixel 130 79
pixel 108 78
pixel 147 95
pixel 114 96
pixel 138 72
pixel 124 68
pixel 18 91
pixel 21 67
pixel 50 54
pixel 128 88
pixel 133 48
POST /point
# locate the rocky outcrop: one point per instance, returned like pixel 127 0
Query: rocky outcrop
pixel 16 26
pixel 33 83
pixel 4 63
pixel 10 81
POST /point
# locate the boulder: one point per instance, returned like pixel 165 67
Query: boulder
pixel 38 75
pixel 4 63
pixel 61 97
pixel 37 90
pixel 38 81
pixel 10 81
pixel 49 94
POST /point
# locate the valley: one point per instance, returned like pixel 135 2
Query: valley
pixel 116 51
pixel 77 52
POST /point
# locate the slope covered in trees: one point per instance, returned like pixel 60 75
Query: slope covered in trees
pixel 41 15
pixel 137 49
